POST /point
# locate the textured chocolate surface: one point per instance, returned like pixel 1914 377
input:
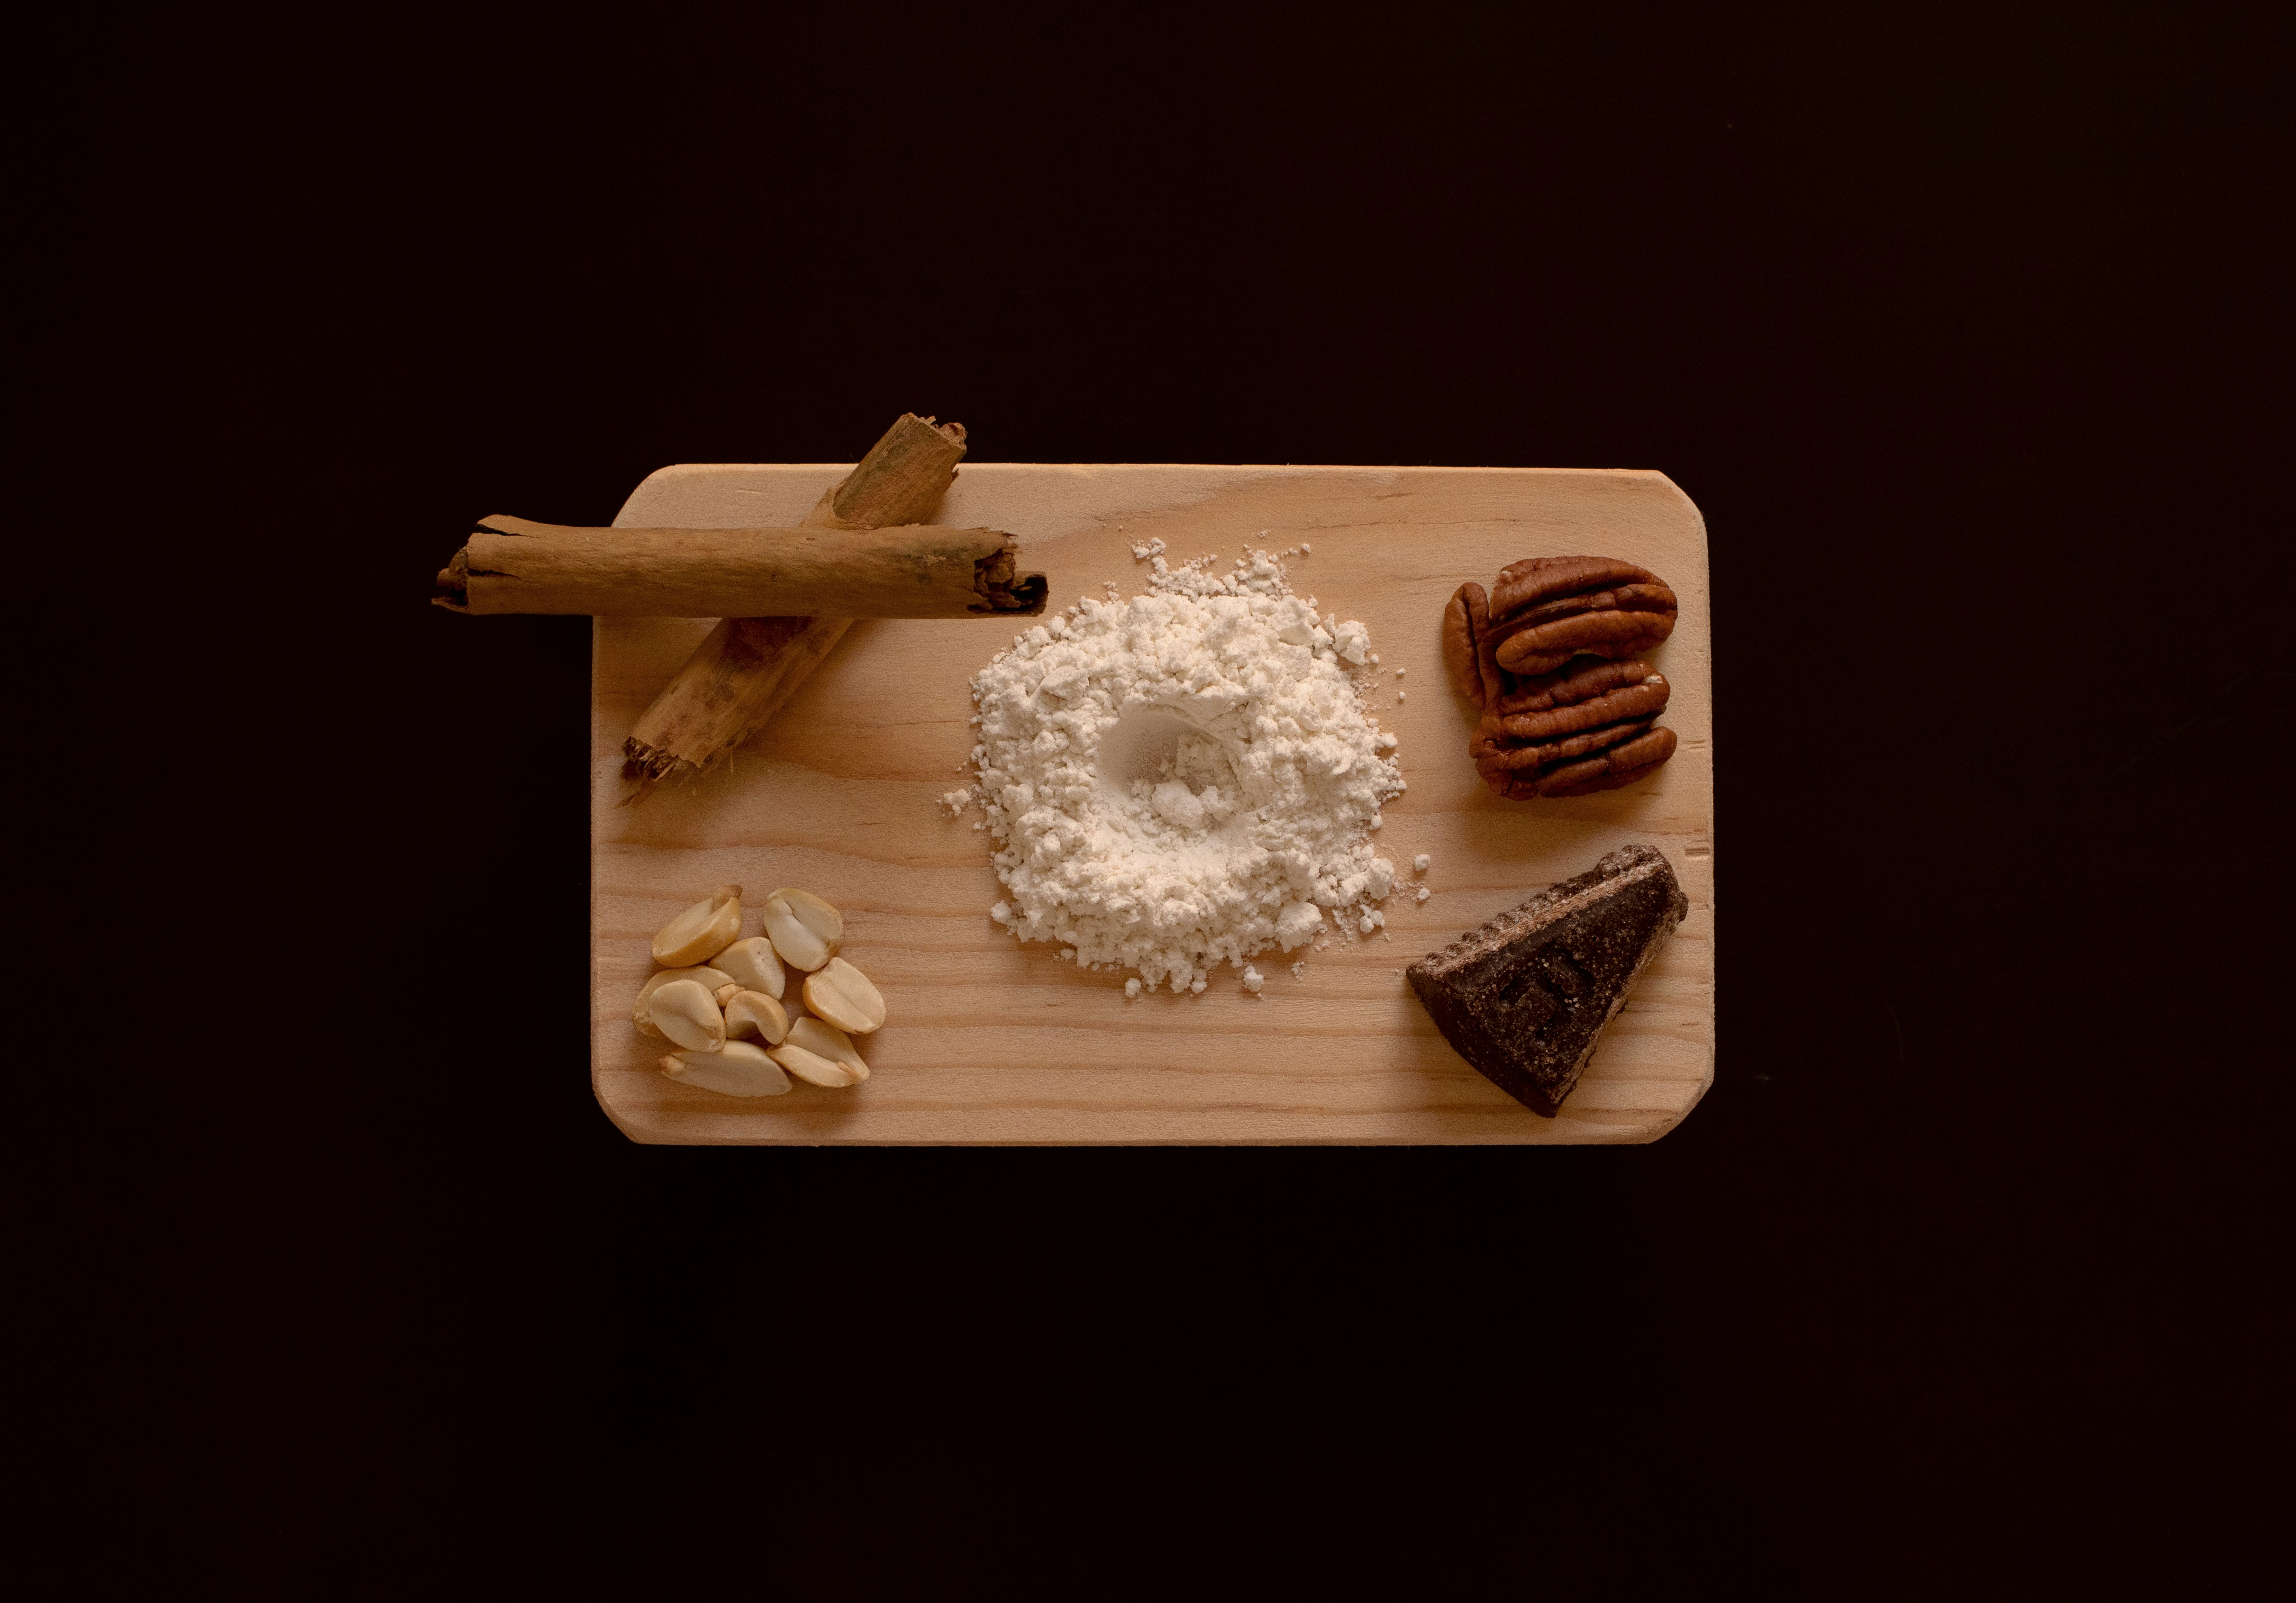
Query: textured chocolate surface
pixel 1525 997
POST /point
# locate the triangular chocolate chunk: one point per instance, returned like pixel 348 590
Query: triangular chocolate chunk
pixel 1525 997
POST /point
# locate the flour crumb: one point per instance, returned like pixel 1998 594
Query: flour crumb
pixel 956 801
pixel 1186 777
pixel 1132 986
pixel 1305 548
pixel 1254 979
pixel 1420 863
pixel 1400 671
pixel 1422 895
pixel 1300 969
pixel 1398 697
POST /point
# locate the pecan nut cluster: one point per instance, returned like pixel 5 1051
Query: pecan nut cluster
pixel 1555 657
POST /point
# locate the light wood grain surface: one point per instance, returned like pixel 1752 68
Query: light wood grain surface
pixel 990 1041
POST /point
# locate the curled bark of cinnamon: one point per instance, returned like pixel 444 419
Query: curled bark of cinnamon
pixel 749 667
pixel 918 570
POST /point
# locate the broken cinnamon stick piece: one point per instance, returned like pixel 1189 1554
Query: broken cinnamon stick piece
pixel 899 482
pixel 731 687
pixel 920 570
pixel 748 667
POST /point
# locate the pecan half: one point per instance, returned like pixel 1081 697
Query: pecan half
pixel 1545 611
pixel 1468 648
pixel 1573 731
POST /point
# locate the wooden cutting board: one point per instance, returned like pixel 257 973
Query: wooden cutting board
pixel 990 1041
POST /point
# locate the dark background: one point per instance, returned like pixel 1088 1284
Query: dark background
pixel 1964 333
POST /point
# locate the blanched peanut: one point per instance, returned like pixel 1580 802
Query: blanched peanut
pixel 738 1070
pixel 812 1067
pixel 687 1014
pixel 755 1013
pixel 826 1041
pixel 843 995
pixel 754 966
pixel 804 928
pixel 711 978
pixel 702 931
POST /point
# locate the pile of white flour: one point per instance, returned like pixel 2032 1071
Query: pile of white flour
pixel 1186 777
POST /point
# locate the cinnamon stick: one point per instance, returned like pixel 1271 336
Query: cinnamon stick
pixel 748 667
pixel 920 571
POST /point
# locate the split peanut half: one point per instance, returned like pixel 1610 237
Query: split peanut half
pixel 755 1013
pixel 827 1042
pixel 753 966
pixel 738 1070
pixel 710 978
pixel 702 931
pixel 687 1013
pixel 843 995
pixel 812 1067
pixel 805 929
